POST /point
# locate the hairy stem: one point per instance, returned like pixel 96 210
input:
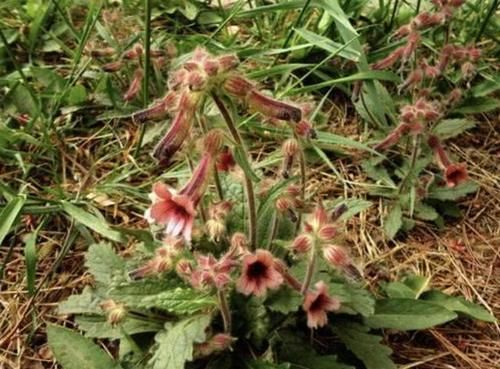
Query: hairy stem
pixel 224 309
pixel 310 271
pixel 252 212
pixel 303 181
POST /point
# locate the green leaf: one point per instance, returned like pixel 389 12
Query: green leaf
pixel 353 298
pixel 98 326
pixel 85 303
pixel 30 257
pixel 408 314
pixel 455 193
pixel 104 264
pixel 410 288
pixel 9 215
pixel 92 222
pixel 285 300
pixel 365 346
pixel 77 95
pixel 459 305
pixel 393 221
pixel 354 206
pixel 425 212
pixel 175 343
pixel 73 351
pixel 148 294
pixel 452 127
pixel 475 105
pixel 261 364
pixel 328 45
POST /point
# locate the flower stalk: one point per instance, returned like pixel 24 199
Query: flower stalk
pixel 250 193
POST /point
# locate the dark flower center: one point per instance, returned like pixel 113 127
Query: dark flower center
pixel 319 303
pixel 256 270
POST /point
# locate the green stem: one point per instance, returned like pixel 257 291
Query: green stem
pixel 225 312
pixel 303 181
pixel 310 271
pixel 147 63
pixel 252 212
pixel 297 23
pixel 393 15
pixel 413 161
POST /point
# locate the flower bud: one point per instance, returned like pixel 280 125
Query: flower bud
pixel 302 244
pixel 238 86
pixel 98 53
pixel 305 129
pixel 336 256
pixel 289 149
pixel 213 141
pixel 327 232
pixel 115 312
pixel 184 268
pixel 133 53
pixel 112 67
pixel 225 161
pixel 196 81
pixel 215 229
pixel 228 62
pixel 135 86
pixel 177 79
pixel 239 242
pixel 468 71
pixel 211 67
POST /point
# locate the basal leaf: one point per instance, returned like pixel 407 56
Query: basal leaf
pixel 328 45
pixel 455 193
pixel 448 128
pixel 459 305
pixel 393 221
pixel 475 105
pixel 104 264
pixel 408 314
pixel 425 212
pixel 365 346
pixel 73 351
pixel 175 344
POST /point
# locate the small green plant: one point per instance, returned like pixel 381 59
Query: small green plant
pixel 245 272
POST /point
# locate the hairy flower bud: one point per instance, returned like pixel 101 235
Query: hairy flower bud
pixel 289 148
pixel 114 311
pixel 112 67
pixel 336 255
pixel 99 53
pixel 302 244
pixel 239 242
pixel 228 62
pixel 327 232
pixel 134 52
pixel 184 268
pixel 238 86
pixel 211 67
pixel 135 86
pixel 196 80
pixel 305 129
pixel 215 229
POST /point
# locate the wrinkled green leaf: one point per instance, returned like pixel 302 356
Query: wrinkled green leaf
pixel 104 264
pixel 84 303
pixel 353 298
pixel 163 295
pixel 73 351
pixel 408 314
pixel 475 105
pixel 365 346
pixel 98 327
pixel 175 343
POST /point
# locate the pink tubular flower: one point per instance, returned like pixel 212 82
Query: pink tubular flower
pixel 390 59
pixel 317 304
pixel 273 108
pixel 258 274
pixel 454 174
pixel 393 137
pixel 238 86
pixel 177 210
pixel 179 129
pixel 135 86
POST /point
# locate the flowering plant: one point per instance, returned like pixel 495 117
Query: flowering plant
pixel 411 183
pixel 264 285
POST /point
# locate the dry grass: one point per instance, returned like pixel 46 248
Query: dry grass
pixel 462 259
